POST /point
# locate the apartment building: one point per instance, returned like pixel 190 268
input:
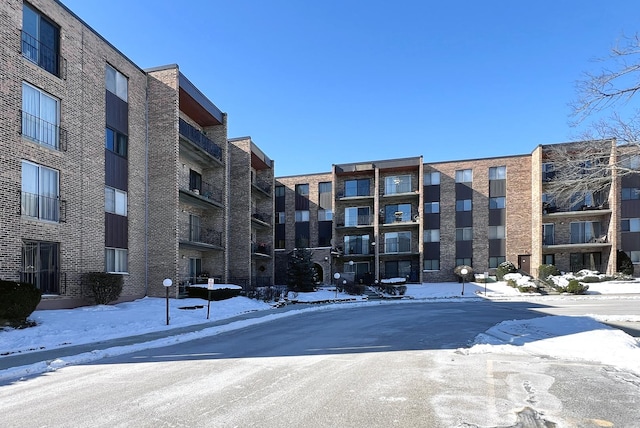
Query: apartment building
pixel 414 220
pixel 251 214
pixel 72 126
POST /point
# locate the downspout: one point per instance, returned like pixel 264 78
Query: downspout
pixel 146 187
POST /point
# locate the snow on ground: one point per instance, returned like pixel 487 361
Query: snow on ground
pixel 565 337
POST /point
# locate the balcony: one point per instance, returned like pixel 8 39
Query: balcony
pixel 400 219
pixel 263 187
pixel 362 220
pixel 205 197
pixel 260 249
pixel 261 219
pixel 576 241
pixel 42 55
pixel 396 247
pixel 199 140
pixel 43 207
pixel 42 132
pixel 200 238
pixel 549 211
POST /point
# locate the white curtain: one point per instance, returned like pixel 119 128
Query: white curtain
pixel 29 189
pixel 49 116
pixel 49 203
pixel 30 111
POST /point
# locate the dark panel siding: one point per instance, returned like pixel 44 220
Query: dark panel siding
pixel 630 209
pixel 630 241
pixel 324 233
pixel 464 218
pixel 463 191
pixel 497 217
pixel 497 188
pixel 117 113
pixel 431 193
pixel 496 247
pixel 464 249
pixel 431 250
pixel 116 170
pixel 432 221
pixel 116 231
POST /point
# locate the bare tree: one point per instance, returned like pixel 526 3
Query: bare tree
pixel 611 145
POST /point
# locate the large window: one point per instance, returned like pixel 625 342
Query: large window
pixel 431 207
pixel 279 192
pixel 40 192
pixel 40 116
pixel 548 234
pixel 432 235
pixel 464 176
pixel 397 184
pixel 431 264
pixel 397 242
pixel 467 261
pixel 494 262
pixel 357 216
pixel 281 217
pixel 356 244
pixel 585 231
pixel 498 173
pixel 463 205
pixel 302 189
pixel 116 260
pixel 548 171
pixel 40 265
pixel 635 256
pixel 40 40
pixel 496 232
pixel 115 201
pixel 356 187
pixel 116 83
pixel 464 233
pixel 497 203
pixel 325 215
pixel 397 213
pixel 302 216
pixel 116 142
pixel 629 193
pixel 431 178
pixel 630 225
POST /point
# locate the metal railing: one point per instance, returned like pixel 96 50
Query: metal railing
pixel 43 207
pixel 201 235
pixel 208 191
pixel 199 139
pixel 39 53
pixel 262 185
pixel 48 281
pixel 354 221
pixel 260 248
pixel 265 218
pixel 393 247
pixel 43 132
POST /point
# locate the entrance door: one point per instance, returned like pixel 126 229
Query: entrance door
pixel 524 263
pixel 41 266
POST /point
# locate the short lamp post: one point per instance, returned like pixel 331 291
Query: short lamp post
pixel 336 277
pixel 464 273
pixel 167 283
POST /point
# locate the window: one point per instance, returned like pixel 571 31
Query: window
pixel 116 142
pixel 40 116
pixel 579 261
pixel 280 217
pixel 325 215
pixel 496 232
pixel 115 201
pixel 464 261
pixel 356 244
pixel 397 213
pixel 464 176
pixel 631 224
pixel 464 233
pixel 497 203
pixel 357 216
pixel 494 262
pixel 40 40
pixel 195 180
pixel 463 205
pixel 325 195
pixel 356 187
pixel 432 235
pixel 630 161
pixel 431 178
pixel 498 173
pixel 548 171
pixel 584 232
pixel 302 189
pixel 40 192
pixel 431 207
pixel 397 184
pixel 548 234
pixel 302 216
pixel 629 193
pixel 634 256
pixel 116 83
pixel 194 228
pixel 41 265
pixel 397 242
pixel 433 264
pixel 115 260
pixel 279 191
pixel 399 269
pixel 549 259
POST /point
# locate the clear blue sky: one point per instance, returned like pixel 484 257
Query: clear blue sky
pixel 321 82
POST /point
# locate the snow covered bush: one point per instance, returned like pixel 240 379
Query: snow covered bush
pixel 505 268
pixel 523 283
pixel 576 287
pixel 545 271
pixel 103 287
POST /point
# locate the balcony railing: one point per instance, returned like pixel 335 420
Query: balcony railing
pixel 264 218
pixel 395 247
pixel 199 139
pixel 48 281
pixel 355 221
pixel 43 132
pixel 258 248
pixel 43 207
pixel 208 191
pixel 584 238
pixel 42 55
pixel 264 186
pixel 200 235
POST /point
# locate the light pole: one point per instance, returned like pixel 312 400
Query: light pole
pixel 336 277
pixel 167 283
pixel 464 273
